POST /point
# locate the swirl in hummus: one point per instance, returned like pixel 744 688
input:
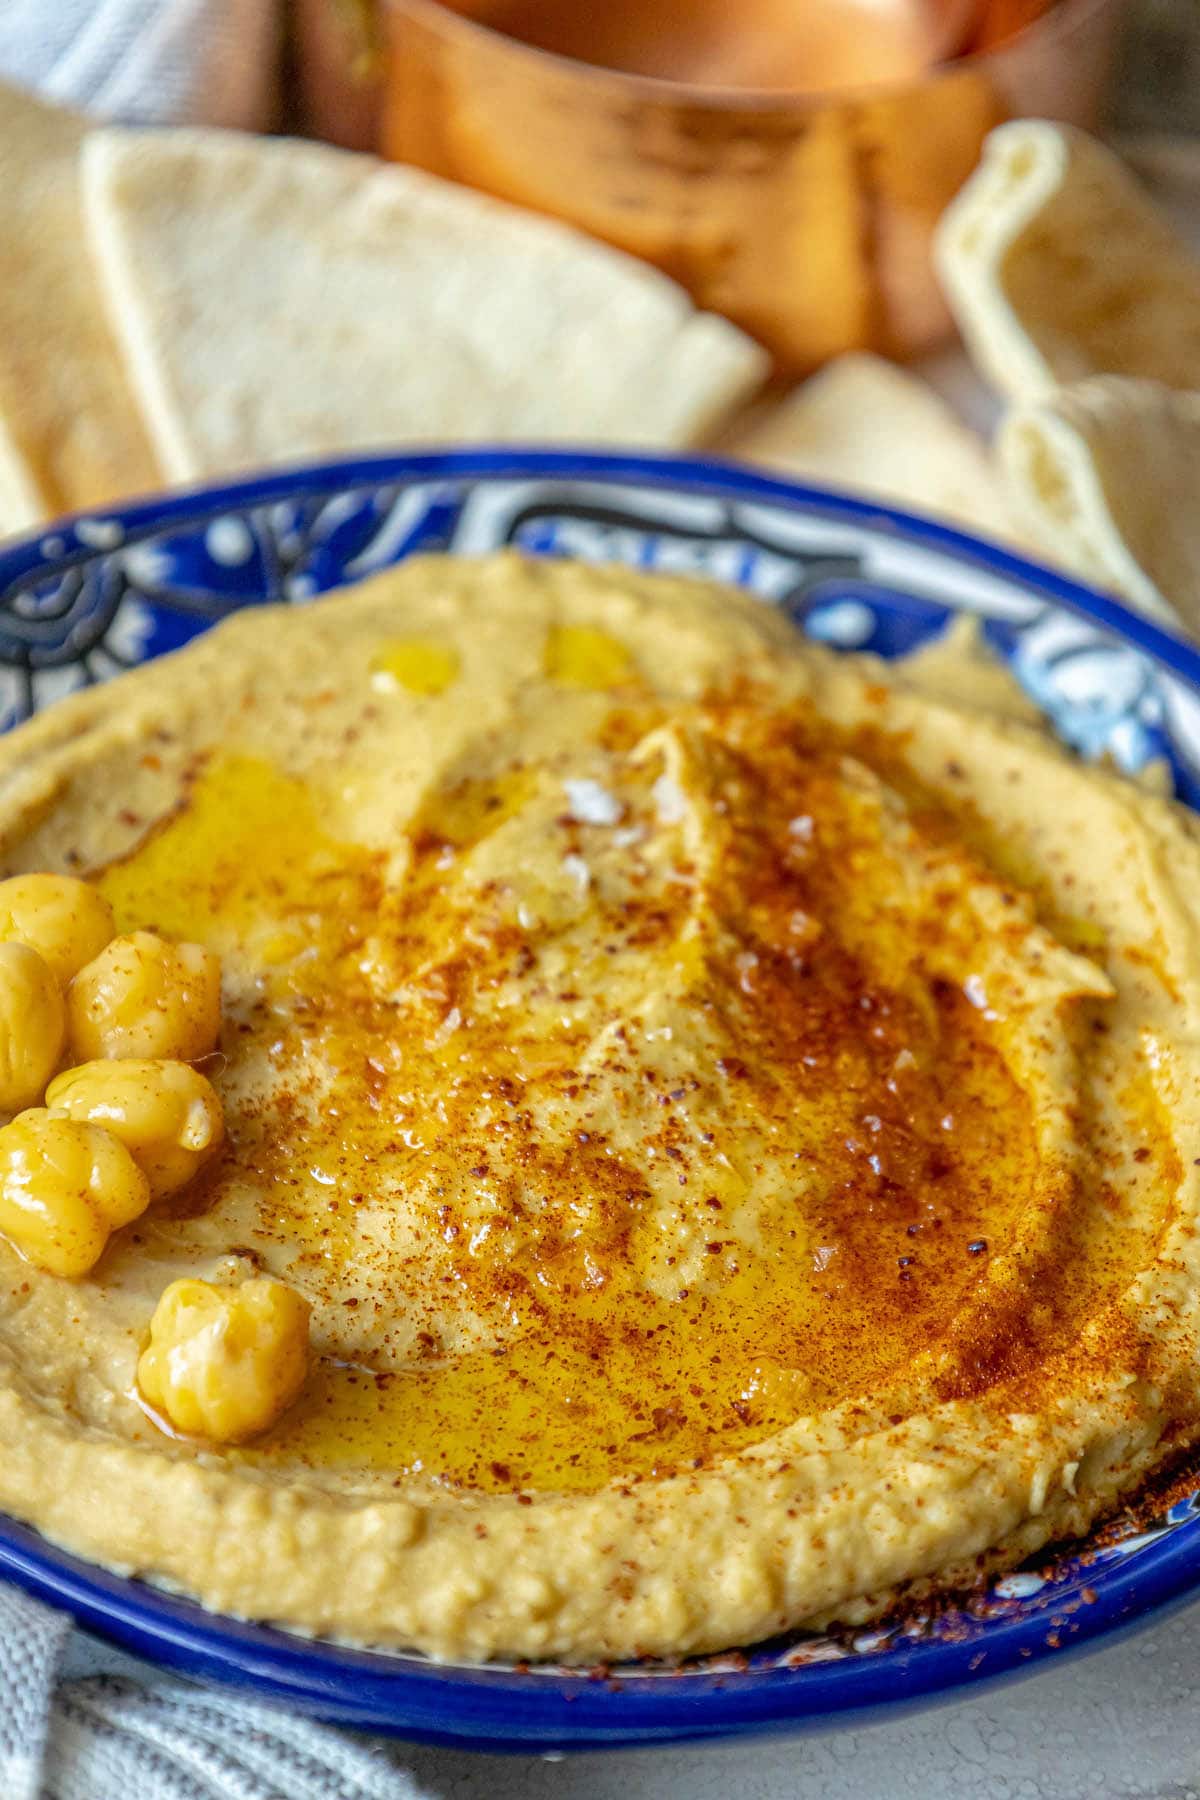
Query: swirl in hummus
pixel 732 1111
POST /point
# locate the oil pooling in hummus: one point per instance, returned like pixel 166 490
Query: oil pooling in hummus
pixel 605 1140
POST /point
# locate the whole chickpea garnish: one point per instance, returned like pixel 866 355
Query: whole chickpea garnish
pixel 66 921
pixel 135 1121
pixel 65 1187
pixel 167 1115
pixel 32 1025
pixel 225 1363
pixel 144 997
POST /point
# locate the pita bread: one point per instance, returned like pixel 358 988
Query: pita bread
pixel 866 424
pixel 69 433
pixel 1057 266
pixel 278 300
pixel 1107 475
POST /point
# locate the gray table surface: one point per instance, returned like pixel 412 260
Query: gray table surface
pixel 1118 1724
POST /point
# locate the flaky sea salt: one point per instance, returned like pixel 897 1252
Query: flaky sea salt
pixel 592 804
pixel 669 800
pixel 577 869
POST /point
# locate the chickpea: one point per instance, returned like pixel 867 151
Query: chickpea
pixel 32 1025
pixel 167 1115
pixel 65 1187
pixel 225 1363
pixel 145 997
pixel 63 919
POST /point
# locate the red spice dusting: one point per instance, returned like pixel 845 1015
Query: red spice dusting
pixel 838 1098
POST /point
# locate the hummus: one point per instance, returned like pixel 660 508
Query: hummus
pixel 734 1112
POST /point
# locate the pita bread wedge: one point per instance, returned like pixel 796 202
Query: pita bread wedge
pixel 1057 266
pixel 1107 475
pixel 278 300
pixel 69 432
pixel 864 423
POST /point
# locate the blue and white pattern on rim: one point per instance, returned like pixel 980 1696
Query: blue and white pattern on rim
pixel 98 595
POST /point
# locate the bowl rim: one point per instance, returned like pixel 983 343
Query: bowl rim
pixel 1059 18
pixel 494 1707
pixel 528 1711
pixel 42 547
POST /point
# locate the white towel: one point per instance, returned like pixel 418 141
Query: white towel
pixel 156 62
pixel 80 1721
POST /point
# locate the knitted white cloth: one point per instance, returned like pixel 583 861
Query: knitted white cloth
pixel 79 1721
pixel 32 1639
pixel 157 62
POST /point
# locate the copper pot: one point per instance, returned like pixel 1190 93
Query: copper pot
pixel 804 215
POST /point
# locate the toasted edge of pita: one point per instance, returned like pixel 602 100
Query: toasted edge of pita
pixel 279 299
pixel 69 433
pixel 864 423
pixel 1057 266
pixel 1106 475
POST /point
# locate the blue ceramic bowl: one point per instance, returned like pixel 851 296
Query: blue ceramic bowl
pixel 97 595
